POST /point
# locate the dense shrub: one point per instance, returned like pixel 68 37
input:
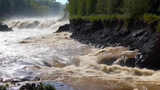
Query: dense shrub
pixel 147 11
pixel 150 18
pixel 72 6
pixel 8 7
pixel 81 7
pixel 158 27
pixel 101 7
pixel 90 7
pixel 3 88
pixel 112 17
pixel 114 6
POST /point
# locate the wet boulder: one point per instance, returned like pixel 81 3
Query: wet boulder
pixel 64 28
pixel 109 56
pixel 4 28
pixel 46 85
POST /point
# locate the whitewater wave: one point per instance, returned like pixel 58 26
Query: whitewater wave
pixel 33 50
pixel 36 23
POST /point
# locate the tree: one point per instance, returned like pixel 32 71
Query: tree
pixel 136 7
pixel 73 7
pixel 25 6
pixel 101 7
pixel 91 6
pixel 113 6
pixel 81 7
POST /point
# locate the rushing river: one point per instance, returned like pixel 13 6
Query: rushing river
pixel 33 52
pixel 15 58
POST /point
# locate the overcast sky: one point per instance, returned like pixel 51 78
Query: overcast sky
pixel 62 1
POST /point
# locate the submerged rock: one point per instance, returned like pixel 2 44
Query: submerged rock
pixel 4 28
pixel 109 56
pixel 64 28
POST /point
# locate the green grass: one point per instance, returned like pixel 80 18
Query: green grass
pixel 146 18
pixel 106 19
pixel 93 18
pixel 150 18
pixel 158 27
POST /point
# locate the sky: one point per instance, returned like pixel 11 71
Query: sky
pixel 62 1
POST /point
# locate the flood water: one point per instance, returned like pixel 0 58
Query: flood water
pixel 33 52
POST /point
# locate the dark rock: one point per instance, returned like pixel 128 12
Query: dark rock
pixel 48 85
pixel 137 35
pixel 64 28
pixel 4 28
pixel 3 88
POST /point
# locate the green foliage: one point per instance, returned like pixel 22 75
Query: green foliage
pixel 108 11
pixel 29 6
pixel 72 6
pixel 158 27
pixel 130 8
pixel 81 7
pixel 101 7
pixel 3 88
pixel 136 7
pixel 112 17
pixel 151 18
pixel 90 6
pixel 113 6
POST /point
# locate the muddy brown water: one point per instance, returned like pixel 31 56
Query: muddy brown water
pixel 34 52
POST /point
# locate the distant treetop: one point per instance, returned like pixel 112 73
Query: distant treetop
pixel 108 7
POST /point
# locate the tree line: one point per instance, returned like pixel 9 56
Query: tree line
pixel 110 7
pixel 8 7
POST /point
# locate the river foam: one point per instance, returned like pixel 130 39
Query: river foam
pixel 33 51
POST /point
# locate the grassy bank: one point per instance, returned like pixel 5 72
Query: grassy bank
pixel 126 19
pixel 127 11
pixel 147 18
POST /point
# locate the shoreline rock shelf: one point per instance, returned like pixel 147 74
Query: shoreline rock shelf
pixel 138 35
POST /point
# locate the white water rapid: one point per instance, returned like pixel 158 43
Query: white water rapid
pixel 33 51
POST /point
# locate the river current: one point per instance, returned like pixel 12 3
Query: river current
pixel 33 51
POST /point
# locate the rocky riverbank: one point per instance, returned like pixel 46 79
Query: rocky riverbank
pixel 137 35
pixel 38 55
pixel 43 85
